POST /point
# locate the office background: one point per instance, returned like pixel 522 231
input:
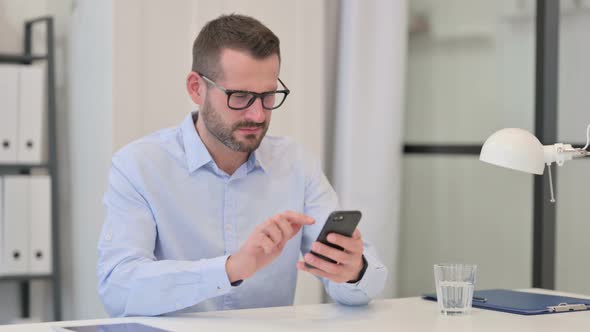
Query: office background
pixel 367 80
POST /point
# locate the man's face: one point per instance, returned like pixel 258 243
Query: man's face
pixel 240 130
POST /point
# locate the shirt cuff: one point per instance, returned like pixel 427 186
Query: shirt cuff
pixel 361 272
pixel 211 281
pixel 371 279
pixel 218 274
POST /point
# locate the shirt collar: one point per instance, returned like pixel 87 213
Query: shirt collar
pixel 256 160
pixel 197 154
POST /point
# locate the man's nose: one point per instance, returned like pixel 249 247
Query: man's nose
pixel 255 112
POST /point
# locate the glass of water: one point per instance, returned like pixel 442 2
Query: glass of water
pixel 454 288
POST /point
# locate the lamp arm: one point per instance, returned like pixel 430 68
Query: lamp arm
pixel 552 199
pixel 578 153
pixel 559 153
pixel 582 154
pixel 587 139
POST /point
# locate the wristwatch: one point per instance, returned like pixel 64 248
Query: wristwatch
pixel 362 273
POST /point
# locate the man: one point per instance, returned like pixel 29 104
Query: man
pixel 213 214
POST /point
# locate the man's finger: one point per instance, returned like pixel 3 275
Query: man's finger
pixel 274 233
pixel 335 254
pixel 285 228
pixel 265 243
pixel 322 264
pixel 349 244
pixel 319 273
pixel 298 218
pixel 356 234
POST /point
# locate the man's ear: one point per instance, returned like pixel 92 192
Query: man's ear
pixel 195 86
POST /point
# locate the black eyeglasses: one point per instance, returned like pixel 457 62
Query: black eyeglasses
pixel 240 100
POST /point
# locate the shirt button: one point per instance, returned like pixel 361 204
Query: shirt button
pixel 108 237
pixel 229 228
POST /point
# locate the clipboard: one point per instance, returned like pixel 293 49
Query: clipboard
pixel 523 303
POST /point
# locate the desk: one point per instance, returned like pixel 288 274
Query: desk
pixel 407 314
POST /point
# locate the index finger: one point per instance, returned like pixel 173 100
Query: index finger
pixel 298 218
pixel 356 234
pixel 350 244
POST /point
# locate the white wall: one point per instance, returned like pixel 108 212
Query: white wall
pixel 152 43
pixel 129 61
pixel 369 122
pixel 573 186
pixel 153 56
pixel 465 81
pixel 457 209
pixel 91 140
pixel 470 73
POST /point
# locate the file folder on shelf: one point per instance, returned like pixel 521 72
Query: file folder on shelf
pixel 15 226
pixel 40 225
pixel 8 113
pixel 524 303
pixel 32 115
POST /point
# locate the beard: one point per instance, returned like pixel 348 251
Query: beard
pixel 224 133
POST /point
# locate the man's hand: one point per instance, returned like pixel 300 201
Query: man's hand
pixel 265 244
pixel 349 262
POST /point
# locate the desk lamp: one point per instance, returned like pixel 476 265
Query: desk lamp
pixel 520 150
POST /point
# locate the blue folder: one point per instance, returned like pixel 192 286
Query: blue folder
pixel 523 303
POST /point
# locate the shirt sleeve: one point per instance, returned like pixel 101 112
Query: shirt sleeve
pixel 320 201
pixel 131 282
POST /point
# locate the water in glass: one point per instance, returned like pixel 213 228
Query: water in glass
pixel 454 297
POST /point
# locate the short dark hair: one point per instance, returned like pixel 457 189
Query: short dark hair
pixel 238 32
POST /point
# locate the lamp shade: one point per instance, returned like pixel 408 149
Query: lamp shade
pixel 516 149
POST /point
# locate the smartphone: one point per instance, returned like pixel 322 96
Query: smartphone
pixel 340 222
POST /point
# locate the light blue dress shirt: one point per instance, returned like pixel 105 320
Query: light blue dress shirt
pixel 173 218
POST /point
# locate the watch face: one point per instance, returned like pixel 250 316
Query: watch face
pixel 125 327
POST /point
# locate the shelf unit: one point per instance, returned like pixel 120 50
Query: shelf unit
pixel 27 58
